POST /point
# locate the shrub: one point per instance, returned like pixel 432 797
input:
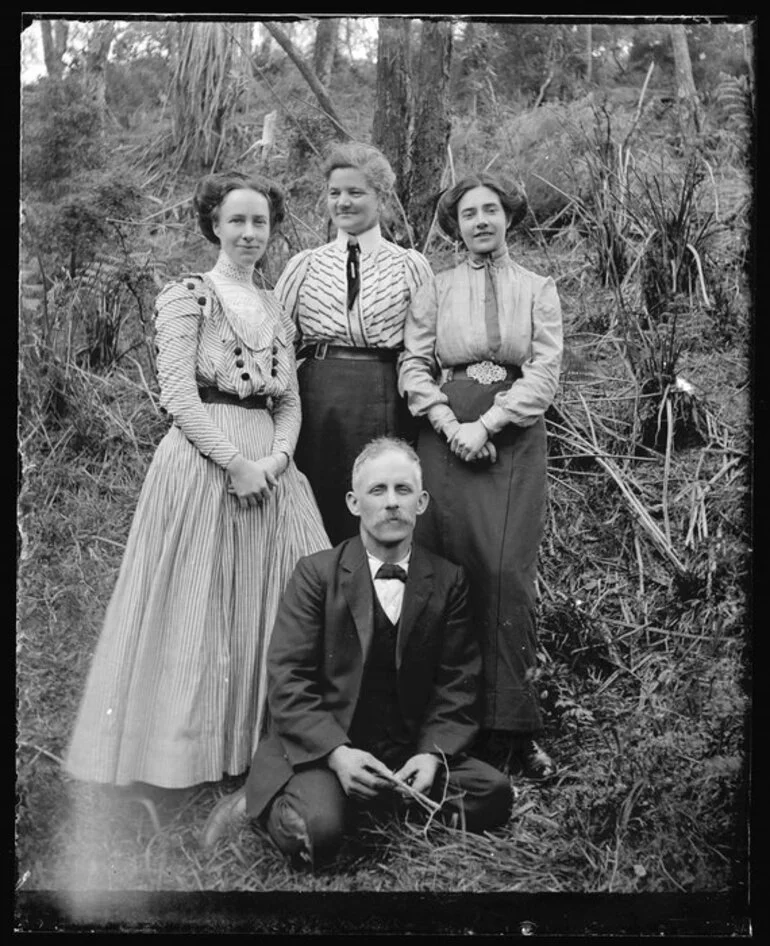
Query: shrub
pixel 61 134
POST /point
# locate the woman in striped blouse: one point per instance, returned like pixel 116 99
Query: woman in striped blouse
pixel 349 299
pixel 176 691
pixel 482 361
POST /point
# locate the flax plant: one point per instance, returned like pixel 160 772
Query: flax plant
pixel 211 70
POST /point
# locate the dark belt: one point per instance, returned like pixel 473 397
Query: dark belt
pixel 325 350
pixel 254 402
pixel 459 373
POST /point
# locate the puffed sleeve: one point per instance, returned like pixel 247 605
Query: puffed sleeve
pixel 287 410
pixel 419 369
pixel 177 323
pixel 418 272
pixel 288 286
pixel 529 397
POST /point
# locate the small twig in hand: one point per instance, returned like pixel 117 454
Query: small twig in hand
pixel 421 799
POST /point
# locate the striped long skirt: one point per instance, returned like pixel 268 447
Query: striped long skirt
pixel 176 691
pixel 489 518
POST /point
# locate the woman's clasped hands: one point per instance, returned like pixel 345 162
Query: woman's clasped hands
pixel 471 442
pixel 252 481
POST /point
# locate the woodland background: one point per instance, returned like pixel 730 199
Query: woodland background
pixel 634 142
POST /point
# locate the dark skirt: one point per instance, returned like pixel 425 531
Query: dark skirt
pixel 489 518
pixel 345 404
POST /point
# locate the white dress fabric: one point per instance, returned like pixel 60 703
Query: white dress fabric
pixel 176 691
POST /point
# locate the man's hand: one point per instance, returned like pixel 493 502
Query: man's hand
pixel 360 773
pixel 419 771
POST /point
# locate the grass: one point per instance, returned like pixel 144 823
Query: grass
pixel 641 673
pixel 644 618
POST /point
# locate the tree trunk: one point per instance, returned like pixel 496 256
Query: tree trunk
pixel 95 65
pixel 432 125
pixel 325 48
pixel 310 77
pixel 589 53
pixel 55 33
pixel 393 114
pixel 688 106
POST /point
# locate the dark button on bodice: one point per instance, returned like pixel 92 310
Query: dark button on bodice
pixel 239 363
pixel 245 376
pixel 238 351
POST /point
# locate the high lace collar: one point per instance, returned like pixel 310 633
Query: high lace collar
pixel 226 268
pixel 498 257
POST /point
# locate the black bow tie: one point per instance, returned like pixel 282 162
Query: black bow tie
pixel 391 571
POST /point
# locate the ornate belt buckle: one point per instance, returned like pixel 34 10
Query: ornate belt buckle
pixel 486 372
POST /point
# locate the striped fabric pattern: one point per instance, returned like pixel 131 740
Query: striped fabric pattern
pixel 198 347
pixel 313 290
pixel 176 691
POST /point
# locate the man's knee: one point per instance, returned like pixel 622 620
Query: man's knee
pixel 307 822
pixel 326 828
pixel 499 797
pixel 486 795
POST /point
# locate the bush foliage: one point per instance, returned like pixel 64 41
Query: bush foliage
pixel 644 572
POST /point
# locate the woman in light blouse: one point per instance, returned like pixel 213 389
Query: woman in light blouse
pixel 176 690
pixel 349 299
pixel 483 350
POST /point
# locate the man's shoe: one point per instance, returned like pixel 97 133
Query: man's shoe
pixel 533 762
pixel 228 813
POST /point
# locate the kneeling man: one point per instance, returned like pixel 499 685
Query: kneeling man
pixel 374 671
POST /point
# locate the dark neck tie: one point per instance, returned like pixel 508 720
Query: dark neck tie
pixel 490 309
pixel 391 571
pixel 354 272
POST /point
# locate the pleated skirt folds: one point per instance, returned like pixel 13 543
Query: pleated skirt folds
pixel 176 691
pixel 489 517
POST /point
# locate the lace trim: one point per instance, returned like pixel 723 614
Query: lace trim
pixel 226 268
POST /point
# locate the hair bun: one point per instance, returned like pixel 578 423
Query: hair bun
pixel 212 189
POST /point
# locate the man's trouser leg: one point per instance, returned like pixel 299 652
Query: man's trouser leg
pixel 480 794
pixel 309 814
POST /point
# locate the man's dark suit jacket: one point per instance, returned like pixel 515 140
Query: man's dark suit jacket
pixel 319 645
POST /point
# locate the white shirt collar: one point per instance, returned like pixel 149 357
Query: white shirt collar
pixel 369 240
pixel 374 562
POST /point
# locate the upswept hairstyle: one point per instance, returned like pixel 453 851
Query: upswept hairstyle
pixel 364 158
pixel 212 189
pixel 382 445
pixel 512 199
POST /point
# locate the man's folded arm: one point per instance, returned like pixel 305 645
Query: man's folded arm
pixel 309 732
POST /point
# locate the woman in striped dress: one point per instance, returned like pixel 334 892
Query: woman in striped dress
pixel 176 690
pixel 349 300
pixel 483 354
